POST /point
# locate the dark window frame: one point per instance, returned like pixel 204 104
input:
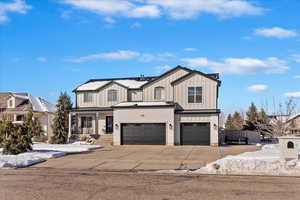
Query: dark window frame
pixel 112 95
pixel 86 122
pixel 87 97
pixel 159 93
pixel 290 145
pixel 195 94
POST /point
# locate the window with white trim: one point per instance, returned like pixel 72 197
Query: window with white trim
pixel 112 95
pixel 195 95
pixel 87 97
pixel 159 93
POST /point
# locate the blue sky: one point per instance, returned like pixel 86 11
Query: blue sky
pixel 54 45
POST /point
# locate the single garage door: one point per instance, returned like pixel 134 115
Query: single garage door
pixel 143 134
pixel 195 134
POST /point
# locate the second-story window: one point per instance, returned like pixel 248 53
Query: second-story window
pixel 87 97
pixel 10 103
pixel 195 95
pixel 159 93
pixel 112 95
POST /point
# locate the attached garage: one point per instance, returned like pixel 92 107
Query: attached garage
pixel 195 133
pixel 143 134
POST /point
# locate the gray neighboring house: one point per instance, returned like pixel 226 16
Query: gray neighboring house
pixel 179 107
pixel 14 106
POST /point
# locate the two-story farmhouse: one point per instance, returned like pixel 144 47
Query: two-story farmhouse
pixel 180 107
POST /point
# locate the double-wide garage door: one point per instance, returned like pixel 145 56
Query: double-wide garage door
pixel 195 134
pixel 143 134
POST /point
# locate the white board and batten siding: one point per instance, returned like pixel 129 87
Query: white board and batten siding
pixel 148 91
pixel 100 97
pixel 209 92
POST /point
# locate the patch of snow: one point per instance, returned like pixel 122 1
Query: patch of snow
pixel 132 84
pixel 41 152
pixel 67 148
pixel 92 85
pixel 266 161
pixel 20 96
pixel 95 85
pixel 41 105
pixel 20 160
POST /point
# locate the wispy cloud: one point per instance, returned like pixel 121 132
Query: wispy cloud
pixel 147 57
pixel 123 55
pixel 118 55
pixel 276 32
pixel 258 88
pixel 240 65
pixel 17 6
pixel 292 94
pixel 109 20
pixel 175 9
pixel 41 59
pixel 164 68
pixel 296 57
pixel 66 14
pixel 190 49
pixel 136 25
pixel 297 76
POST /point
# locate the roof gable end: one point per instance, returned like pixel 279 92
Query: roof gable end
pixel 193 72
pixel 166 74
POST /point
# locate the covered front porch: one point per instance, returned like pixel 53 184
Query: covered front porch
pixel 90 121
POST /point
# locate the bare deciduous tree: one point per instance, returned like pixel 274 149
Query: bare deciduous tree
pixel 276 125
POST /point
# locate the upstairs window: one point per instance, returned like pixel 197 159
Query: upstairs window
pixel 112 95
pixel 159 93
pixel 195 95
pixel 86 122
pixel 10 102
pixel 87 97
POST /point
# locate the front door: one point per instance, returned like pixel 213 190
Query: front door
pixel 109 124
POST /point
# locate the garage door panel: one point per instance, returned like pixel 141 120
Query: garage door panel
pixel 143 134
pixel 195 133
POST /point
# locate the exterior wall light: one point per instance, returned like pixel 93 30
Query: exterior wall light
pixel 117 126
pixel 215 126
pixel 170 126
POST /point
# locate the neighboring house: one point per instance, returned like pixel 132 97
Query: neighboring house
pixel 180 107
pixel 294 123
pixel 14 107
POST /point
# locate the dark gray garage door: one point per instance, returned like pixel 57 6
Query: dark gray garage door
pixel 195 134
pixel 143 134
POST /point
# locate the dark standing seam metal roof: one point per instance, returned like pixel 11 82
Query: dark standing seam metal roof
pixel 151 79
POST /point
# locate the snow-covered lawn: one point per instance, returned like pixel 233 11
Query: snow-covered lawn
pixel 41 152
pixel 266 161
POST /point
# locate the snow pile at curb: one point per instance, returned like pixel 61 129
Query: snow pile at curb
pixel 41 152
pixel 264 162
pixel 18 161
pixel 67 148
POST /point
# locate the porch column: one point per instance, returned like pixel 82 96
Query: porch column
pixel 96 123
pixel 70 126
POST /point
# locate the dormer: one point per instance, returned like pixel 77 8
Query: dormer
pixel 15 100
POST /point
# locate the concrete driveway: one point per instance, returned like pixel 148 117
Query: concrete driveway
pixel 141 158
